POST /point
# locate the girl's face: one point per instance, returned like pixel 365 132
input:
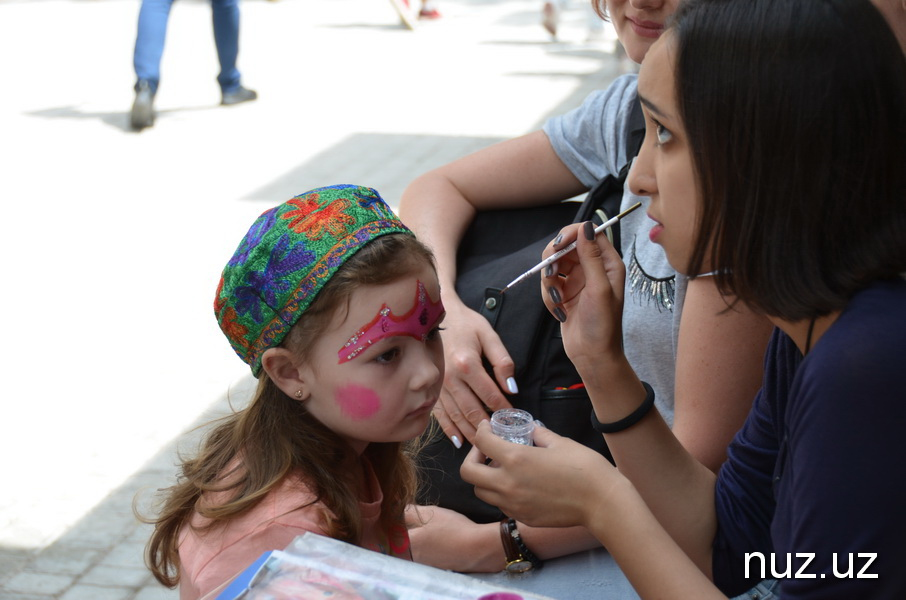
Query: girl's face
pixel 377 372
pixel 639 23
pixel 663 169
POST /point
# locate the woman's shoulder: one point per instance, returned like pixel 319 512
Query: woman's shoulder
pixel 861 354
pixel 868 334
pixel 616 99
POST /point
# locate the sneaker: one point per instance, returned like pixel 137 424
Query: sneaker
pixel 428 11
pixel 238 95
pixel 143 108
pixel 550 18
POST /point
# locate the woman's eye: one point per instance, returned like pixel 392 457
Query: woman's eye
pixel 434 334
pixel 387 357
pixel 663 134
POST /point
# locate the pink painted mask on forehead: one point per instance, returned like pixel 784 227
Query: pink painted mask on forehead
pixel 416 323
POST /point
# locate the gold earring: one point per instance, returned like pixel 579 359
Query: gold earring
pixel 299 394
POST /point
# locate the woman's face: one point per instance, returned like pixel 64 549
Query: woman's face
pixel 663 169
pixel 895 13
pixel 639 23
pixel 377 372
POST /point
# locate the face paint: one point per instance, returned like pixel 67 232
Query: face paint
pixel 357 402
pixel 416 323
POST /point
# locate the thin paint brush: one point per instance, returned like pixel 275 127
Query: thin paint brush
pixel 561 253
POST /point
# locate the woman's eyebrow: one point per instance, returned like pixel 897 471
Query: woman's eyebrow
pixel 652 107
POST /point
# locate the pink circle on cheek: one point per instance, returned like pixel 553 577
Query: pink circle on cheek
pixel 357 402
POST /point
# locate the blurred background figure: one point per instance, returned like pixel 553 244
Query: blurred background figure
pixel 552 11
pixel 409 17
pixel 149 47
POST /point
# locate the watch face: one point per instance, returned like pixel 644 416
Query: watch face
pixel 520 565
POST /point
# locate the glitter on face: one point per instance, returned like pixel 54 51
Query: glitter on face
pixel 417 323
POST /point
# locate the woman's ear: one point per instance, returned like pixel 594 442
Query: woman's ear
pixel 281 366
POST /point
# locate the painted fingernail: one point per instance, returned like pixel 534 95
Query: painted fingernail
pixel 555 295
pixel 456 442
pixel 589 229
pixel 548 270
pixel 558 239
pixel 511 385
pixel 560 315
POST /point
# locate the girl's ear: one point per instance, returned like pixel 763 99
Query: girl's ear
pixel 280 365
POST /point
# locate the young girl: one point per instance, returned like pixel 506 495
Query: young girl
pixel 774 161
pixel 336 308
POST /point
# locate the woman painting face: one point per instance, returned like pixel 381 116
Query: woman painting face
pixel 663 169
pixel 639 23
pixel 377 372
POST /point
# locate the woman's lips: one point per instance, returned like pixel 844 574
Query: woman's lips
pixel 655 231
pixel 648 29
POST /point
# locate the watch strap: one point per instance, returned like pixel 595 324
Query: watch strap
pixel 516 550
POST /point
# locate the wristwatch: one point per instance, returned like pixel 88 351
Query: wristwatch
pixel 519 559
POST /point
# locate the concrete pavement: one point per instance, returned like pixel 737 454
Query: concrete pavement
pixel 114 239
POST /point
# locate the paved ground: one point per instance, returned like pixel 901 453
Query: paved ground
pixel 114 240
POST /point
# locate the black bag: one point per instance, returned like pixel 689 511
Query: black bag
pixel 492 253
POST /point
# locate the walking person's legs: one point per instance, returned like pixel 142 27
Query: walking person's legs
pixel 225 17
pixel 149 48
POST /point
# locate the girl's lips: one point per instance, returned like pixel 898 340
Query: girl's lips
pixel 423 409
pixel 648 29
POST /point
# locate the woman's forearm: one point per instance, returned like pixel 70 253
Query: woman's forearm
pixel 677 488
pixel 653 562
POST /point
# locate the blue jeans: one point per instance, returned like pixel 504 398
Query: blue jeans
pixel 766 590
pixel 152 30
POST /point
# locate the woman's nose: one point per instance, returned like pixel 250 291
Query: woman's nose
pixel 641 177
pixel 646 4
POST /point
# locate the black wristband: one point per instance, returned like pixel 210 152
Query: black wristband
pixel 629 421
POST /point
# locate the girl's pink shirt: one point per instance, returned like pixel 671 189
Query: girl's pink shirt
pixel 209 560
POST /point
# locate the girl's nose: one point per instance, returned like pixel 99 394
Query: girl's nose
pixel 428 369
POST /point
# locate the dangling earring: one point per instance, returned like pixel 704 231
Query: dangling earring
pixel 299 394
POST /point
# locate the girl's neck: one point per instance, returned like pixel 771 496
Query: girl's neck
pixel 806 333
pixel 362 479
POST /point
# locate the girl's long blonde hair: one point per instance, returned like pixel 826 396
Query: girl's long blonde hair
pixel 250 452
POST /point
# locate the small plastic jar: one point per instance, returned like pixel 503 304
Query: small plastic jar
pixel 514 425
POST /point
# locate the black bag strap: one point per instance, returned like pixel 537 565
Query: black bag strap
pixel 607 194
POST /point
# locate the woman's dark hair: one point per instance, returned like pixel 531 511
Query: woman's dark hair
pixel 796 116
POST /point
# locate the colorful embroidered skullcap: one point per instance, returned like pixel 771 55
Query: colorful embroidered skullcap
pixel 287 257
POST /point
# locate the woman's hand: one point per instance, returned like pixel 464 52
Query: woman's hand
pixel 469 393
pixel 556 483
pixel 584 290
pixel 446 539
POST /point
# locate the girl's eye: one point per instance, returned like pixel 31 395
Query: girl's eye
pixel 434 334
pixel 663 134
pixel 387 357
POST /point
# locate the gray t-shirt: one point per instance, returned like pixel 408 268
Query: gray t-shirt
pixel 591 142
